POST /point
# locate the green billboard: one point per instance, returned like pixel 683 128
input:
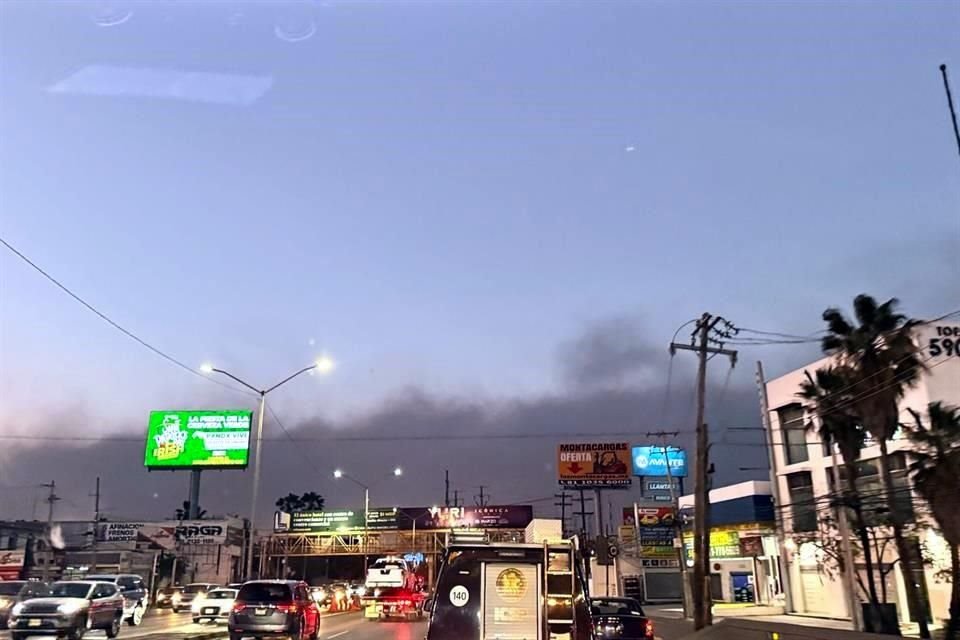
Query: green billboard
pixel 198 439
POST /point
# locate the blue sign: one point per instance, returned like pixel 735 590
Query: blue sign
pixel 650 462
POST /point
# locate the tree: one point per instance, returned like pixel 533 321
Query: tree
pixel 880 358
pixel 183 512
pixel 312 501
pixel 838 426
pixel 290 503
pixel 936 476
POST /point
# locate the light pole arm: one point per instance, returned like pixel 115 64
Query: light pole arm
pixel 289 378
pixel 233 377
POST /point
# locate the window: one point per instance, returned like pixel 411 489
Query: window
pixel 872 494
pixel 802 508
pixel 793 433
pixel 126 582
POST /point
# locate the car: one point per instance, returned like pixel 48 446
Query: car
pixel 619 619
pixel 272 608
pixel 13 592
pixel 215 606
pixel 191 592
pixel 166 595
pixel 136 596
pixel 70 609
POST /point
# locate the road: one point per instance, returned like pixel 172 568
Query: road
pixel 166 625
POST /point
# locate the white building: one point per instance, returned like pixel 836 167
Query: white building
pixel 801 468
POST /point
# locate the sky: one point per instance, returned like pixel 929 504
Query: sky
pixel 493 216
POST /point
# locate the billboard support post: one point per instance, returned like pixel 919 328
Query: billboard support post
pixel 194 494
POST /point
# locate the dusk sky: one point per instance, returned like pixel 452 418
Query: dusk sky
pixel 493 216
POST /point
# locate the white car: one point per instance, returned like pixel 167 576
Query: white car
pixel 390 571
pixel 214 606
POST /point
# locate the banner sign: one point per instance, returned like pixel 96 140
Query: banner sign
pixel 655 517
pixel 166 535
pixel 650 461
pixel 661 485
pixel 724 543
pixel 11 562
pixel 197 439
pixel 405 519
pixel 594 464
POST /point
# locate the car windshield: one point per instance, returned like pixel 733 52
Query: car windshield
pixel 69 589
pixel 10 588
pixel 195 588
pixel 221 594
pixel 264 592
pixel 111 579
pixel 615 607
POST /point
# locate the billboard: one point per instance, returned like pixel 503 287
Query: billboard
pixel 166 535
pixel 594 464
pixel 11 562
pixel 198 439
pixel 405 519
pixel 650 461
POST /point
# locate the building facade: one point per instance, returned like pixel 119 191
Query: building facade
pixel 803 471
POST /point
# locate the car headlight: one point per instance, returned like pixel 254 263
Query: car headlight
pixel 68 608
pixel 5 602
pixel 17 609
pixel 361 591
pixel 177 597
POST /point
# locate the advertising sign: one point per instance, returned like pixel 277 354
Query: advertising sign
pixel 166 535
pixel 650 461
pixel 661 485
pixel 197 439
pixel 10 564
pixel 405 518
pixel 655 517
pixel 594 464
pixel 724 543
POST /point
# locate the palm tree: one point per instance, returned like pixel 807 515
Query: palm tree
pixel 183 511
pixel 880 358
pixel 290 503
pixel 936 475
pixel 840 427
pixel 312 501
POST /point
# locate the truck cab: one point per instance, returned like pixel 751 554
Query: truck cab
pixel 510 590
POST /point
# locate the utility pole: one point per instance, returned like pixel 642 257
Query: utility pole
pixel 783 567
pixel 481 500
pixel 96 524
pixel 446 487
pixel 703 335
pixel 678 539
pixel 456 497
pixel 51 500
pixel 583 513
pixel 564 504
pixel 953 113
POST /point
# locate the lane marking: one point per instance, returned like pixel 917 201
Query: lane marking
pixel 337 635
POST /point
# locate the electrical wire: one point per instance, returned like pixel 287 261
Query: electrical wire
pixel 114 324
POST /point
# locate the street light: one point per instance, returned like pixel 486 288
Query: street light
pixel 338 474
pixel 324 365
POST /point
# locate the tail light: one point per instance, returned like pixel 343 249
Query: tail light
pixel 649 630
pixel 287 608
pixel 238 606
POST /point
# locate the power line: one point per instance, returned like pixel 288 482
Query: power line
pixel 113 324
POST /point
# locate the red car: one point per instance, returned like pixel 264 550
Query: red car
pixel 270 608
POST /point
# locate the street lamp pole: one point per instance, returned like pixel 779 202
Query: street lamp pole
pixel 397 471
pixel 323 365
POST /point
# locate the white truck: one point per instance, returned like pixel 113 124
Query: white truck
pixel 391 571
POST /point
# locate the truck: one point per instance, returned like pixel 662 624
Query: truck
pixel 533 590
pixel 394 602
pixel 390 571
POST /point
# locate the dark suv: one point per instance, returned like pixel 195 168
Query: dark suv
pixel 136 596
pixel 265 608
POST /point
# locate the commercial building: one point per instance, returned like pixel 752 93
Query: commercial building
pixel 802 467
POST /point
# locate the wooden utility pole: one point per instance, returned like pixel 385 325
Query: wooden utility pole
pixel 446 487
pixel 701 338
pixel 564 504
pixel 96 525
pixel 52 498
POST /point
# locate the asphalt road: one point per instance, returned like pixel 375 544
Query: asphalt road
pixel 166 625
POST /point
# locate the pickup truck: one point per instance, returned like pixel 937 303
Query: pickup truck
pixel 390 571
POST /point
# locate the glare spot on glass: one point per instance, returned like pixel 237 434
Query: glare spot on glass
pixel 111 14
pixel 295 28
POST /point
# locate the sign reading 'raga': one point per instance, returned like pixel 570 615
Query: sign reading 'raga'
pixel 594 464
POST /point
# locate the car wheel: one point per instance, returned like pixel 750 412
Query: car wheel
pixel 17 636
pixel 114 629
pixel 196 620
pixel 136 617
pixel 235 636
pixel 77 632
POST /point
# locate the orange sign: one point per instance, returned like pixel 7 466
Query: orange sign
pixel 594 464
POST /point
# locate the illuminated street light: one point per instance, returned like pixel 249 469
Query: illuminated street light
pixel 323 365
pixel 338 474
